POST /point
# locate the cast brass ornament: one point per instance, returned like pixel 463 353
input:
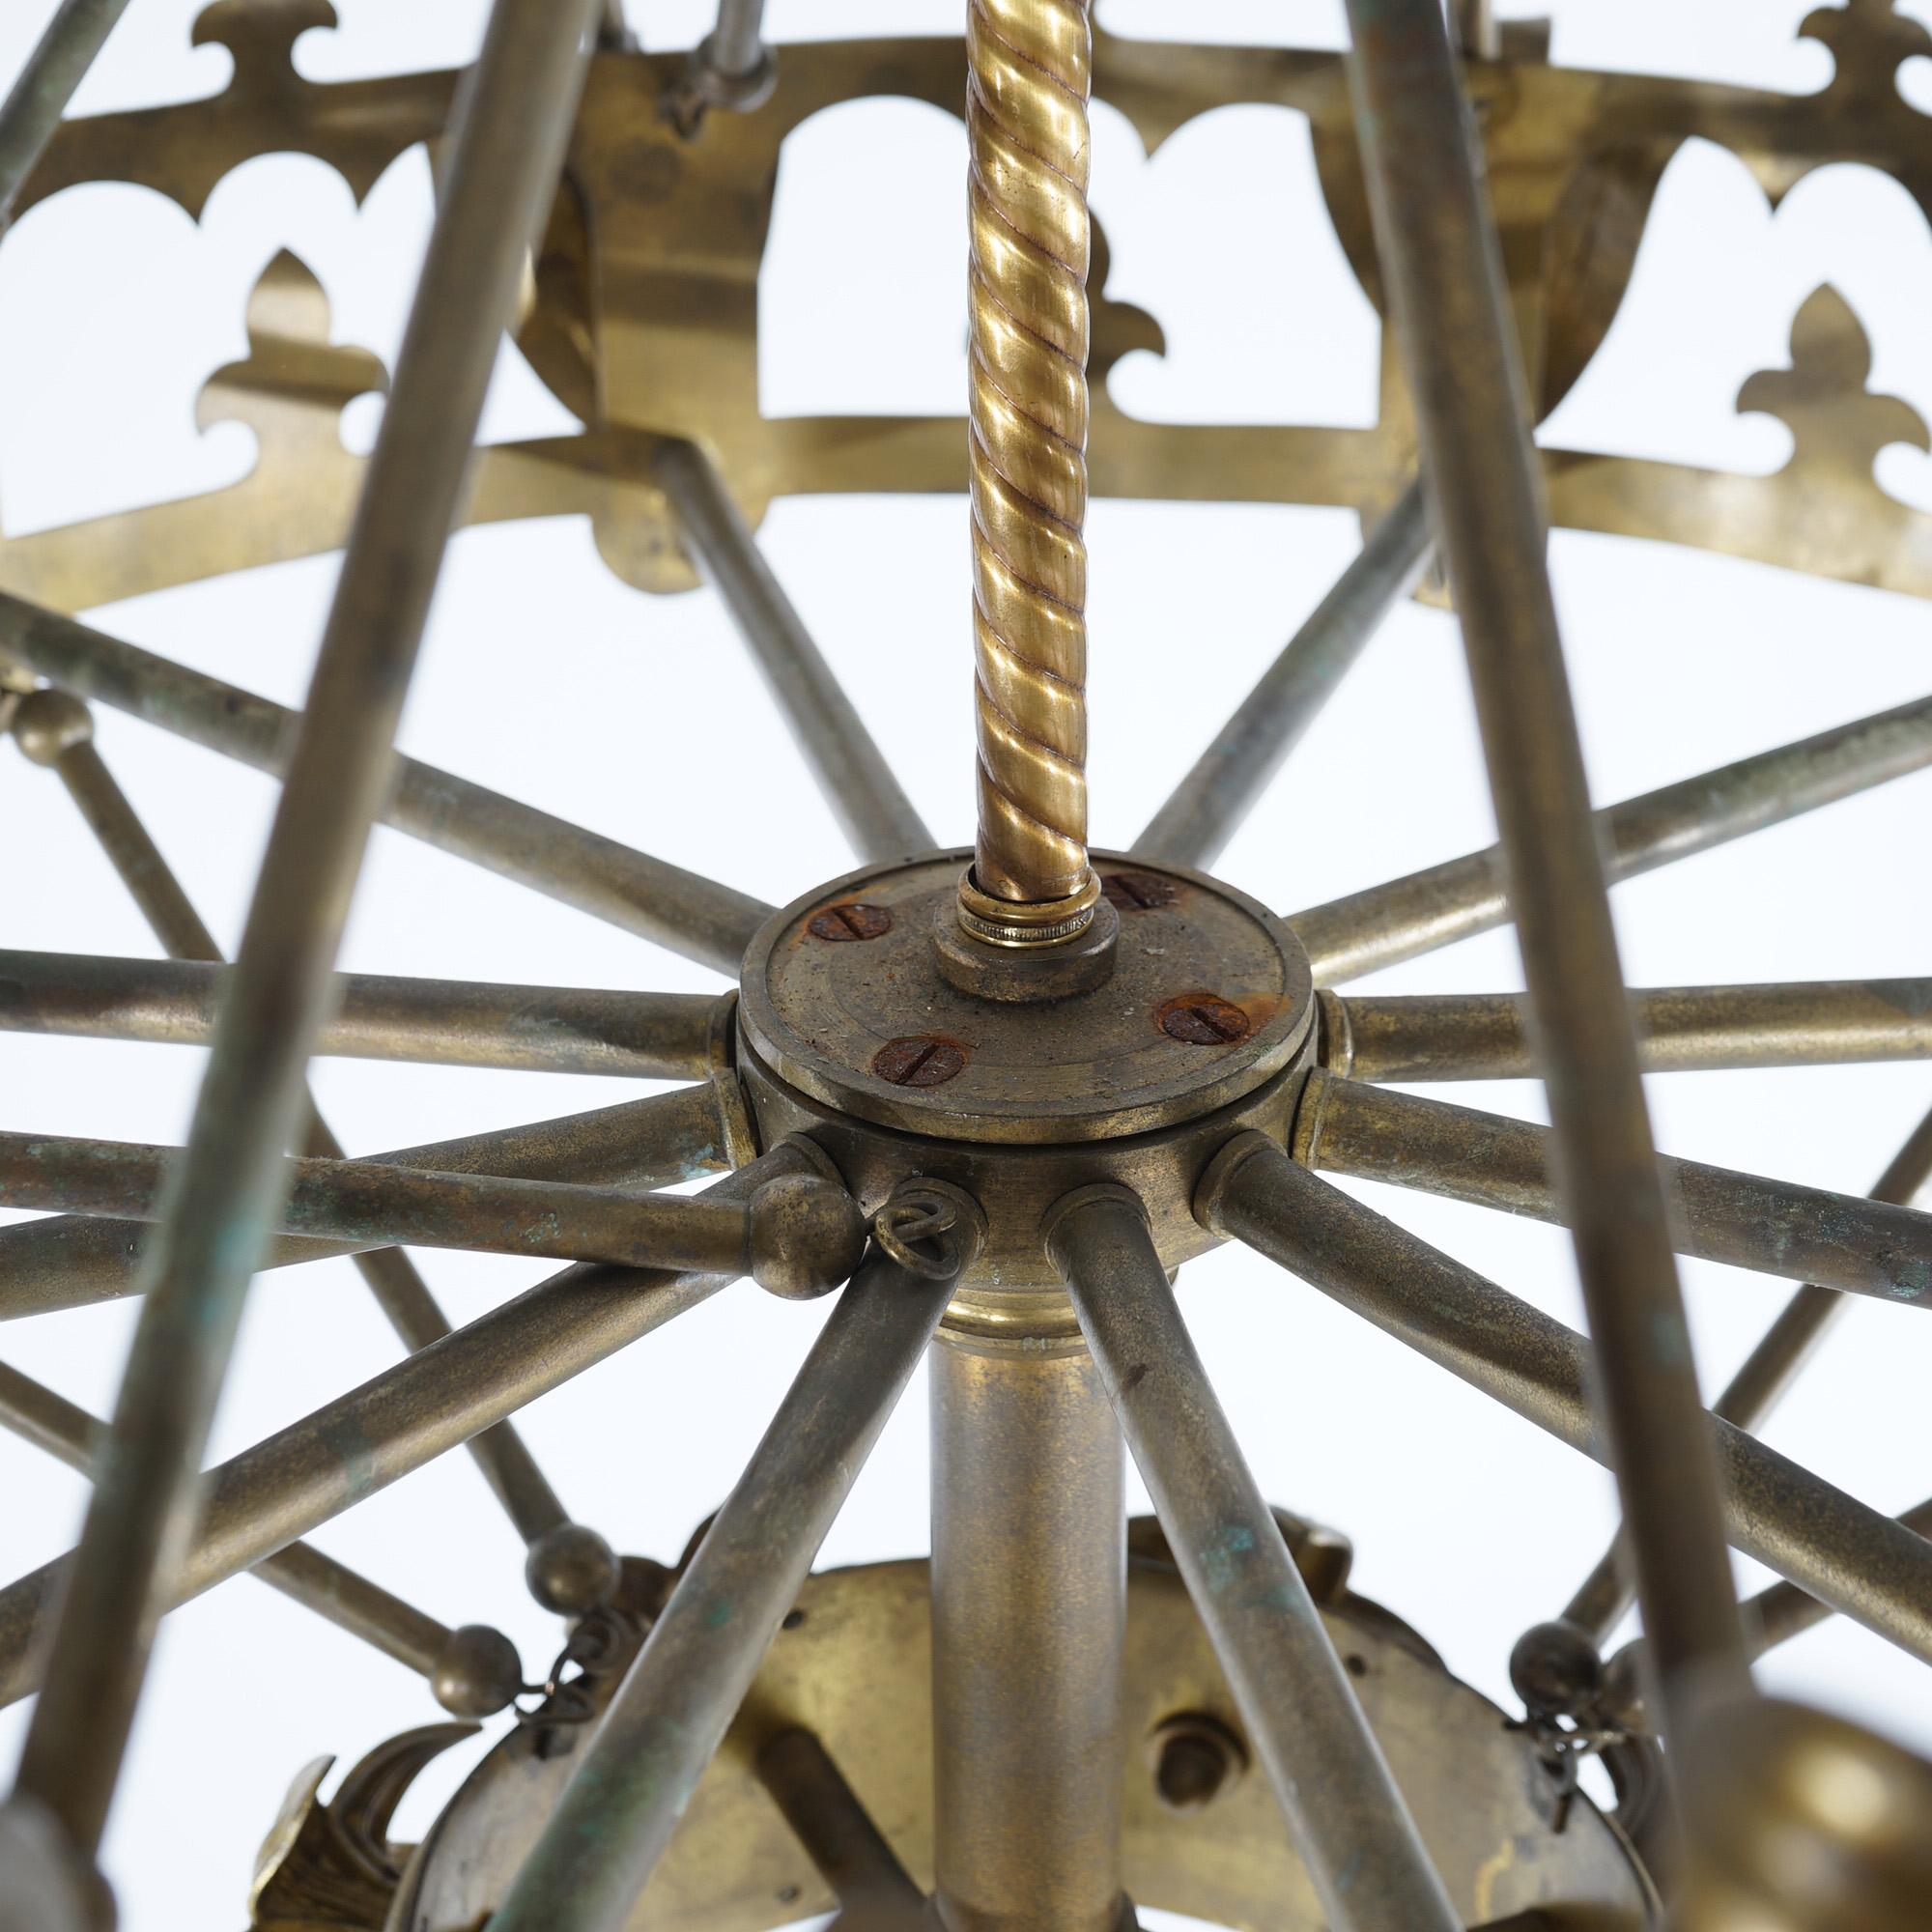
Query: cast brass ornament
pixel 985 1099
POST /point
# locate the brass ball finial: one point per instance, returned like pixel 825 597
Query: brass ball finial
pixel 48 723
pixel 570 1569
pixel 478 1673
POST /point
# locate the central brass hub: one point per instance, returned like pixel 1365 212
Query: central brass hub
pixel 850 1033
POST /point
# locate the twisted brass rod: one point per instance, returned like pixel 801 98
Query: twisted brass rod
pixel 1029 72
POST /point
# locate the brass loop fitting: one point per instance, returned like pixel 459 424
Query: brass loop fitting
pixel 937 1215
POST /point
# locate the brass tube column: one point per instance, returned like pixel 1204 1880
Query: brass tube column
pixel 1029 67
pixel 1029 1608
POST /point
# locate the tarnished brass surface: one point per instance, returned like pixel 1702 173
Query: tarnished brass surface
pixel 1028 1604
pixel 644 317
pixel 334 1865
pixel 1097 1066
pixel 853 1670
pixel 889 1058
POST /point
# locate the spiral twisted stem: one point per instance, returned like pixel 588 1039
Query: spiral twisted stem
pixel 1028 73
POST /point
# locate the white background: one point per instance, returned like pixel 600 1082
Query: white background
pixel 641 717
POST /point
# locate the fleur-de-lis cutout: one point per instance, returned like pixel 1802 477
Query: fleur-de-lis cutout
pixel 1835 423
pixel 1868 41
pixel 1117 326
pixel 295 382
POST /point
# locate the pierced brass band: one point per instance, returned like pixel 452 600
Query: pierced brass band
pixel 617 272
pixel 1029 71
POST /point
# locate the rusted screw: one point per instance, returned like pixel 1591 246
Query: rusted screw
pixel 1135 891
pixel 1195 1759
pixel 1202 1019
pixel 850 921
pixel 914 1062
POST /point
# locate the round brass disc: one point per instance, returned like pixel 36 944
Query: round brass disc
pixel 1210 995
pixel 853 1666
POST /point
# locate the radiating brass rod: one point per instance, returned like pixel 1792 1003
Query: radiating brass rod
pixel 1409 917
pixel 1680 1029
pixel 1444 270
pixel 1028 74
pixel 297 1479
pixel 55 728
pixel 852 772
pixel 1774 1227
pixel 512 121
pixel 71 1261
pixel 1781 1612
pixel 317 1581
pixel 1208 805
pixel 661 1728
pixel 849 1851
pixel 695 917
pixel 45 84
pixel 1861 1562
pixel 440 1022
pixel 1344 1812
pixel 1761 1379
pixel 371 1202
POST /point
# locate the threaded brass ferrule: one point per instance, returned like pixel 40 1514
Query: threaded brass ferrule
pixel 1026 118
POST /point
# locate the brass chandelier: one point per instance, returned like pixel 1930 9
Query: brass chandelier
pixel 993 1098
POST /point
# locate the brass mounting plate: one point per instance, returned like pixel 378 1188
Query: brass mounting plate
pixel 1128 1058
pixel 853 1667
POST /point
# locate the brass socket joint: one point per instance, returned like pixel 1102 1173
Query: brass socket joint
pixel 1029 74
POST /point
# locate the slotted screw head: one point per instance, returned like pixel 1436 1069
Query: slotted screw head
pixel 1136 892
pixel 841 923
pixel 914 1062
pixel 1202 1019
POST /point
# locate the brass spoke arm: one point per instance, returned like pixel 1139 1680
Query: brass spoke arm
pixel 1426 1036
pixel 852 772
pixel 1863 1564
pixel 296 1480
pixel 1717 1214
pixel 811 1243
pixel 1343 1809
pixel 45 84
pixel 1761 1379
pixel 1208 805
pixel 875 1893
pixel 468 1669
pixel 68 1262
pixel 691 916
pixel 438 1022
pixel 1424 911
pixel 55 728
pixel 669 1715
pixel 512 127
pixel 1781 1612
